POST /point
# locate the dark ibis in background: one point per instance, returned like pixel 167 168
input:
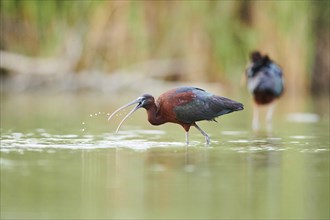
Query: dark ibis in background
pixel 184 106
pixel 265 82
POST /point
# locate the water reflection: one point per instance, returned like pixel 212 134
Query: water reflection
pixel 141 174
pixel 195 181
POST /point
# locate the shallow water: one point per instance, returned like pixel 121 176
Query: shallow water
pixel 61 158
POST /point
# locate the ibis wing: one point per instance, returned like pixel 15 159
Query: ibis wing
pixel 205 107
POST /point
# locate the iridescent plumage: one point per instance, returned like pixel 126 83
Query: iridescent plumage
pixel 184 106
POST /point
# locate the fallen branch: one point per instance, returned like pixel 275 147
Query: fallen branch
pixel 21 64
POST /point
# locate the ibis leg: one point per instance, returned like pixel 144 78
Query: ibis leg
pixel 269 116
pixel 187 137
pixel 207 138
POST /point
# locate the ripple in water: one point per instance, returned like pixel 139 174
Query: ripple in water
pixel 140 140
pixel 43 140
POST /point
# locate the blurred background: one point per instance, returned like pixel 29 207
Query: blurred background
pixel 66 65
pixel 113 46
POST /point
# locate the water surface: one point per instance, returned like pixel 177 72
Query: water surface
pixel 60 158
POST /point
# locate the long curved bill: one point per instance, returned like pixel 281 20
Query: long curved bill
pixel 129 114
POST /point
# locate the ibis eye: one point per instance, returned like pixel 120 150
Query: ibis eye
pixel 141 103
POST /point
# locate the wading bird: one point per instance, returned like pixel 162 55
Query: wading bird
pixel 184 106
pixel 265 82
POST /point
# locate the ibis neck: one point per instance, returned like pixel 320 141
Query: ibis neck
pixel 153 115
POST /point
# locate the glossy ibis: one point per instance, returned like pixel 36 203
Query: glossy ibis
pixel 184 106
pixel 265 82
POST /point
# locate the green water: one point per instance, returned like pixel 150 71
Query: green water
pixel 61 159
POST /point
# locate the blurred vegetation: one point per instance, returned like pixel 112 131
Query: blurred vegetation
pixel 212 38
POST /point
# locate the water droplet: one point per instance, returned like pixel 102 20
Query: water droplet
pixel 83 129
pixel 95 114
pixel 83 123
pixel 90 115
